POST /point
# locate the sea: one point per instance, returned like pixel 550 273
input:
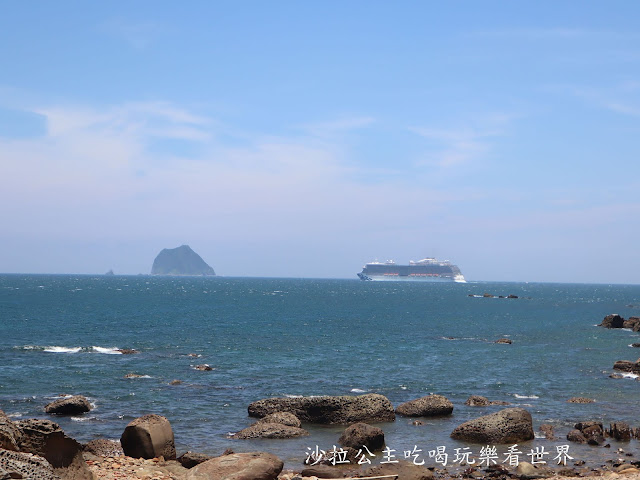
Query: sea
pixel 279 337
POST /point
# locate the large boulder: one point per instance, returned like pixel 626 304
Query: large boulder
pixel 510 425
pixel 149 436
pixel 284 418
pixel 362 434
pixel 238 466
pixel 46 439
pixel 429 406
pixel 25 465
pixel 612 321
pixel 69 406
pixel 346 409
pixel 270 430
pixel 9 433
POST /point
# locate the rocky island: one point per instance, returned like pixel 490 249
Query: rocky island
pixel 180 261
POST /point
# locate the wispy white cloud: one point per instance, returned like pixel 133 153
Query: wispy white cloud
pixel 461 145
pixel 139 35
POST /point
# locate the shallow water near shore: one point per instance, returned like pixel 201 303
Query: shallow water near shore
pixel 279 337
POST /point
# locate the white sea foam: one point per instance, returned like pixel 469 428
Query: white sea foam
pixel 629 375
pixel 55 349
pixel 82 419
pixel 525 396
pixel 358 390
pixel 107 350
pixel 292 396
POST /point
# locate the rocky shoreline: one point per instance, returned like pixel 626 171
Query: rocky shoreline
pixel 38 449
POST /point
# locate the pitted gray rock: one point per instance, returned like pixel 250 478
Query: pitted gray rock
pixel 510 425
pixel 26 465
pixel 429 406
pixel 346 409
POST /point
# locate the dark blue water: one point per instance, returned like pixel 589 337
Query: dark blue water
pixel 277 337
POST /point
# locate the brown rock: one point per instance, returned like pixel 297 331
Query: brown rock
pixel 429 406
pixel 238 466
pixel 620 431
pixel 627 366
pixel 149 436
pixel 25 465
pixel 127 351
pixel 576 436
pixel 506 341
pixel 510 425
pixel 580 400
pixel 104 448
pixel 403 469
pixel 362 434
pixel 283 418
pixel 69 406
pixel 191 459
pixel 329 410
pixel 46 439
pixel 175 382
pixel 547 429
pixel 9 433
pixel 612 321
pixel 270 430
pixel 477 401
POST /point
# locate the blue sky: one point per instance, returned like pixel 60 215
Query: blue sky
pixel 303 139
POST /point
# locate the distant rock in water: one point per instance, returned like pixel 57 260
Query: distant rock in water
pixel 109 273
pixel 180 261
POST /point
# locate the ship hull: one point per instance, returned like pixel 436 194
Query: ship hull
pixel 427 270
pixel 397 278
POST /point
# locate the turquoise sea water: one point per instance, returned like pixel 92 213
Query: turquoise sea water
pixel 279 337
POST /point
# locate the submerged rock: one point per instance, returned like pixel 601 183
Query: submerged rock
pixel 346 409
pixel 429 406
pixel 580 400
pixel 506 341
pixel 510 425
